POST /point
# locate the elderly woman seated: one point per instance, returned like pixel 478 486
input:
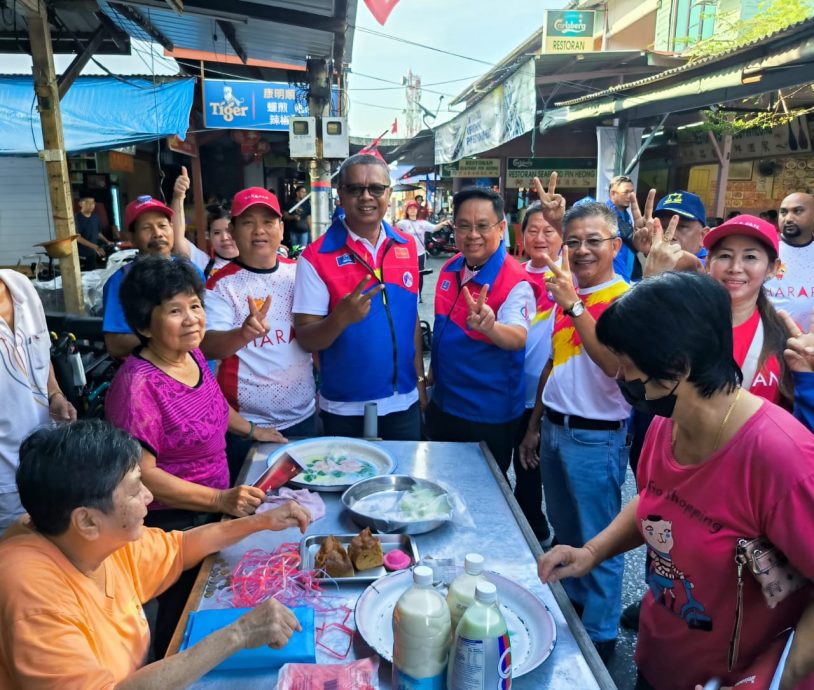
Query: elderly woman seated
pixel 167 398
pixel 74 575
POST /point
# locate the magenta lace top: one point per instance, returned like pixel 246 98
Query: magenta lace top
pixel 183 426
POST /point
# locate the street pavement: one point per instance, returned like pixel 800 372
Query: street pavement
pixel 621 665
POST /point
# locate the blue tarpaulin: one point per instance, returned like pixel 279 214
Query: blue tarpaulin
pixel 97 113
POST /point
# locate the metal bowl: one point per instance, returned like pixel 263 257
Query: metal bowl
pixel 381 523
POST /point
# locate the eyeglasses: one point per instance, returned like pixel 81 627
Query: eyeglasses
pixel 375 190
pixel 480 229
pixel 591 243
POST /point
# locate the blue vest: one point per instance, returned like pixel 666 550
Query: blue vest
pixel 374 358
pixel 473 378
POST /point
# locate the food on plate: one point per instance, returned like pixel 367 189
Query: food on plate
pixel 397 560
pixel 365 551
pixel 336 467
pixel 333 559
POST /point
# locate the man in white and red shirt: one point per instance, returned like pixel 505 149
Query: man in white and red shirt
pixel 265 374
pixel 792 289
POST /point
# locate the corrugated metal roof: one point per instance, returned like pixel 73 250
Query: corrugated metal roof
pixel 692 65
pixel 261 40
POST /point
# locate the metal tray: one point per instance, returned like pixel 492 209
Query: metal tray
pixel 309 547
pixel 532 630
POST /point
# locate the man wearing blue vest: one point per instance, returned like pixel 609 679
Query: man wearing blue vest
pixel 484 305
pixel 356 305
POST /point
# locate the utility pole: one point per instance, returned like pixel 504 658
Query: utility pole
pixel 53 153
pixel 319 169
pixel 412 93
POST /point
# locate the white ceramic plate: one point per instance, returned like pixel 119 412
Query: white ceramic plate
pixel 334 462
pixel 531 627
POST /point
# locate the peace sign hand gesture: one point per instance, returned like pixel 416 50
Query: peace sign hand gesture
pixel 481 317
pixel 561 283
pixel 799 352
pixel 664 255
pixel 643 225
pixel 355 306
pixel 255 326
pixel 553 204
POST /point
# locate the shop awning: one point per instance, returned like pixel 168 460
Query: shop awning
pixel 97 113
pixel 781 60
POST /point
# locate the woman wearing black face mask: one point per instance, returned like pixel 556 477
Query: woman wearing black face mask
pixel 719 465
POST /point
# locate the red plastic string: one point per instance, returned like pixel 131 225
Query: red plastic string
pixel 261 575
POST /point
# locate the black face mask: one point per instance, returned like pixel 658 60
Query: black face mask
pixel 635 395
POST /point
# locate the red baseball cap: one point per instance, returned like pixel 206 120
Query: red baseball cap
pixel 141 205
pixel 411 204
pixel 750 226
pixel 251 196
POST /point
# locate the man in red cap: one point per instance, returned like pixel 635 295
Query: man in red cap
pixel 265 374
pixel 148 222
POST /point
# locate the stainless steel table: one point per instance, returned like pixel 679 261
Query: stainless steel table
pixel 501 534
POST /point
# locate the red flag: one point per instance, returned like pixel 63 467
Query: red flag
pixel 381 9
pixel 395 128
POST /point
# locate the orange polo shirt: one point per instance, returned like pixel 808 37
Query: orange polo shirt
pixel 58 629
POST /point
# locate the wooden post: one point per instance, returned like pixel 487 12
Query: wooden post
pixel 723 153
pixel 56 164
pixel 200 202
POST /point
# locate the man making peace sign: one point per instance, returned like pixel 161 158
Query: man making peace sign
pixel 484 304
pixel 265 374
pixel 356 305
pixel 582 439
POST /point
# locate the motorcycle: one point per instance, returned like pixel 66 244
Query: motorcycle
pixel 442 240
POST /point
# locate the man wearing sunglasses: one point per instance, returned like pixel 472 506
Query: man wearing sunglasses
pixel 356 305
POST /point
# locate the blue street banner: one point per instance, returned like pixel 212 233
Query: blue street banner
pixel 262 105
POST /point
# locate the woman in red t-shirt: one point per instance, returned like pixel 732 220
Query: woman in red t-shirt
pixel 743 255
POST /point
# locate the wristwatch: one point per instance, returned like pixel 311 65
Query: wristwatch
pixel 575 310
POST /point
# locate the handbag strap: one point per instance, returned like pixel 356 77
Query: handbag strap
pixel 734 642
pixel 750 363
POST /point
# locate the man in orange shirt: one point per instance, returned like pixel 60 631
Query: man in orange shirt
pixel 73 580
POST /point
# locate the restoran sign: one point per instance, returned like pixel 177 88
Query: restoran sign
pixel 261 105
pixel 572 173
pixel 569 31
pixel 472 168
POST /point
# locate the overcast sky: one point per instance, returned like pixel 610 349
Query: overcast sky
pixel 482 29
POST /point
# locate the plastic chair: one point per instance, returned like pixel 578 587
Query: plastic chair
pixel 518 249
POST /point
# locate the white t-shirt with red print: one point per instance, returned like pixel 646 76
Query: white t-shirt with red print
pixel 792 289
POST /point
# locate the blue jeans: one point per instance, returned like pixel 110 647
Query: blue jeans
pixel 583 472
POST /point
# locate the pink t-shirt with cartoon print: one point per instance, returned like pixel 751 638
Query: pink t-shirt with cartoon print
pixel 761 483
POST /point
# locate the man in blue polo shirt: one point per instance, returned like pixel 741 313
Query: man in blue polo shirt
pixel 621 194
pixel 484 305
pixel 356 305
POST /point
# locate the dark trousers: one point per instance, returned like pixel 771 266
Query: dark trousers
pixel 528 489
pixel 422 260
pixel 396 426
pixel 442 426
pixel 238 447
pixel 171 603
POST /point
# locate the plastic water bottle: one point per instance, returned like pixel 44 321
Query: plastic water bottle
pixel 421 633
pixel 481 657
pixel 461 592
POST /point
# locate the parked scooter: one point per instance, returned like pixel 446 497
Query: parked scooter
pixel 442 240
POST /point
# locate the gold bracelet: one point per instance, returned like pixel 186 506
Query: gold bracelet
pixel 420 379
pixel 53 395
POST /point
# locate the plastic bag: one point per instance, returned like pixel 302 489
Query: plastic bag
pixel 416 504
pixel 357 675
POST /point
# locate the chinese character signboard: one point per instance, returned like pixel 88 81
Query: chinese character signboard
pixel 569 31
pixel 261 105
pixel 572 173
